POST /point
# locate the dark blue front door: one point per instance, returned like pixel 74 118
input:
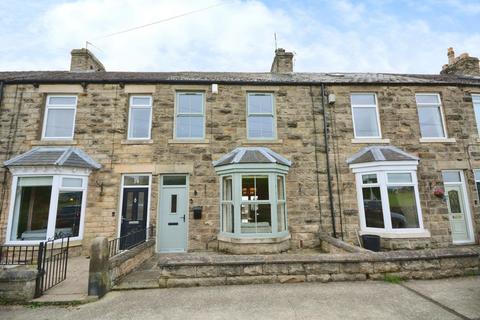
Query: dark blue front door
pixel 134 217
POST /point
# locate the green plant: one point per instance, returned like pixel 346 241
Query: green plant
pixel 393 278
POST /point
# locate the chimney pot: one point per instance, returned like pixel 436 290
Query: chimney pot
pixel 461 65
pixel 451 56
pixel 84 60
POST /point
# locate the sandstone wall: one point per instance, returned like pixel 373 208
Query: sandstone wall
pixel 101 129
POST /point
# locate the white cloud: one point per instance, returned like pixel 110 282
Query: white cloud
pixel 237 36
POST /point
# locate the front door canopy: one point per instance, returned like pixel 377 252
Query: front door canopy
pixel 54 156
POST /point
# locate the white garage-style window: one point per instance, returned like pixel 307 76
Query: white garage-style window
pixel 252 194
pixel 261 116
pixel 49 193
pixel 190 115
pixel 387 192
pixel 366 121
pixel 430 116
pixel 140 117
pixel 59 121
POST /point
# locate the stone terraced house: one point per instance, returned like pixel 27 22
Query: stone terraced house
pixel 240 162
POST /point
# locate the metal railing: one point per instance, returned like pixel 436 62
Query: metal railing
pixel 18 254
pixel 52 264
pixel 129 241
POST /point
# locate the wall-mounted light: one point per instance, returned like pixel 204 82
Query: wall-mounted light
pixel 100 185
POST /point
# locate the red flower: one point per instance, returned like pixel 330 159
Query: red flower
pixel 439 192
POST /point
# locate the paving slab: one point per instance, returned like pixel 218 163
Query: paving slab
pixel 74 288
pixel 336 300
pixel 459 294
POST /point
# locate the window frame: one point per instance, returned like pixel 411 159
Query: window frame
pixel 442 115
pixel 377 113
pixel 475 103
pixel 49 107
pixel 52 213
pixel 131 107
pixel 273 114
pixel 237 203
pixel 475 181
pixel 383 184
pixel 184 114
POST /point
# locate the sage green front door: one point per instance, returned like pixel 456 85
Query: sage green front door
pixel 173 215
pixel 457 204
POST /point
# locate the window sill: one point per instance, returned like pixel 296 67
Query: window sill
pixel 273 141
pixel 188 141
pixel 438 140
pixel 252 240
pixel 54 142
pixel 146 141
pixel 370 140
pixel 421 233
pixel 76 242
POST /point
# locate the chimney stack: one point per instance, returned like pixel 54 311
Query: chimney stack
pixel 283 62
pixel 461 65
pixel 84 60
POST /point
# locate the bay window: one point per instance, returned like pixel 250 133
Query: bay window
pixel 387 192
pixel 389 200
pixel 253 204
pixel 47 207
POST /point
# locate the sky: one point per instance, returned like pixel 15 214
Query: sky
pixel 395 36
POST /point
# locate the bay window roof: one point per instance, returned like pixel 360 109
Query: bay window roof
pixel 54 156
pixel 252 155
pixel 380 154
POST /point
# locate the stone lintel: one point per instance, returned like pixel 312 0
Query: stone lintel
pixel 60 88
pixel 134 88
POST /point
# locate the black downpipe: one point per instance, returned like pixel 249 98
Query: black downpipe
pixel 1 92
pixel 327 156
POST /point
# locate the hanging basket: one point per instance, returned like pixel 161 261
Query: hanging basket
pixel 439 193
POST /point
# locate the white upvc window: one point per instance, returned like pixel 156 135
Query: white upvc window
pixel 261 122
pixel 388 201
pixel 477 181
pixel 47 206
pixel 190 115
pixel 430 116
pixel 476 107
pixel 59 120
pixel 140 118
pixel 366 120
pixel 253 205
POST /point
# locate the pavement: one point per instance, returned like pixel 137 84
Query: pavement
pixel 456 298
pixel 75 286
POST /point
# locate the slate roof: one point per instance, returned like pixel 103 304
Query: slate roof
pixel 380 153
pixel 54 156
pixel 293 78
pixel 244 155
